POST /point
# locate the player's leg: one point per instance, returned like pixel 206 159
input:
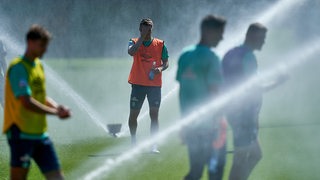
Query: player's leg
pixel 254 156
pixel 238 163
pixel 18 173
pixel 54 175
pixel 239 154
pixel 20 154
pixel 218 174
pixel 154 99
pixel 154 116
pixel 46 158
pixel 244 161
pixel 138 94
pixel 250 142
pixel 199 152
pixel 133 124
pixel 247 152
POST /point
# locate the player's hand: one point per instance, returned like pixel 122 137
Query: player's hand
pixel 63 112
pixel 157 70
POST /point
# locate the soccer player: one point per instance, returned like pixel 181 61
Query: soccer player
pixel 3 69
pixel 240 64
pixel 150 58
pixel 200 78
pixel 26 107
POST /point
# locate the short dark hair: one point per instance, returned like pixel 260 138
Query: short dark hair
pixel 212 22
pixel 146 21
pixel 37 32
pixel 256 28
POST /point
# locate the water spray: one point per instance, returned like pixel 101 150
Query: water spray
pixel 79 101
pixel 277 10
pixel 266 17
pixel 13 46
pixel 212 107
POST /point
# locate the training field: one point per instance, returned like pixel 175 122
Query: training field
pixel 289 126
pixel 97 91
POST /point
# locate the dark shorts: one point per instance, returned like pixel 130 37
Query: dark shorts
pixel 40 150
pixel 139 93
pixel 245 126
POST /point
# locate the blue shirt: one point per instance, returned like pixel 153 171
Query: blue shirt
pixel 198 70
pixel 240 64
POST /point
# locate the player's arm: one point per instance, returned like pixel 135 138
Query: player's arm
pixel 222 135
pixel 163 67
pixel 273 84
pixel 180 68
pixel 22 91
pixel 51 103
pixel 133 47
pixel 165 61
pixel 214 76
pixel 33 105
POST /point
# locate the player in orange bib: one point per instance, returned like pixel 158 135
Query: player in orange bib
pixel 150 58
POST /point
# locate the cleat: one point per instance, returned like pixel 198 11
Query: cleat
pixel 155 150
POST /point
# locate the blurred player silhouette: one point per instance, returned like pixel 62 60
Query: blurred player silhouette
pixel 200 78
pixel 239 65
pixel 25 110
pixel 150 59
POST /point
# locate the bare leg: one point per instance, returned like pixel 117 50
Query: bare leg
pixel 154 114
pixel 18 173
pixel 133 124
pixel 244 161
pixel 154 127
pixel 54 175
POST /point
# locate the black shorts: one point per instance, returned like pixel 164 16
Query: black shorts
pixel 139 93
pixel 245 126
pixel 40 150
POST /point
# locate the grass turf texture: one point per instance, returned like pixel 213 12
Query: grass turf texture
pixel 289 152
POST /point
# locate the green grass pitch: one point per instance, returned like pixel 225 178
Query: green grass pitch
pixel 289 152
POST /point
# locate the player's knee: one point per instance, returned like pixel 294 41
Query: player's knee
pixel 18 173
pixel 256 153
pixel 134 113
pixel 132 122
pixel 154 112
pixel 54 175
